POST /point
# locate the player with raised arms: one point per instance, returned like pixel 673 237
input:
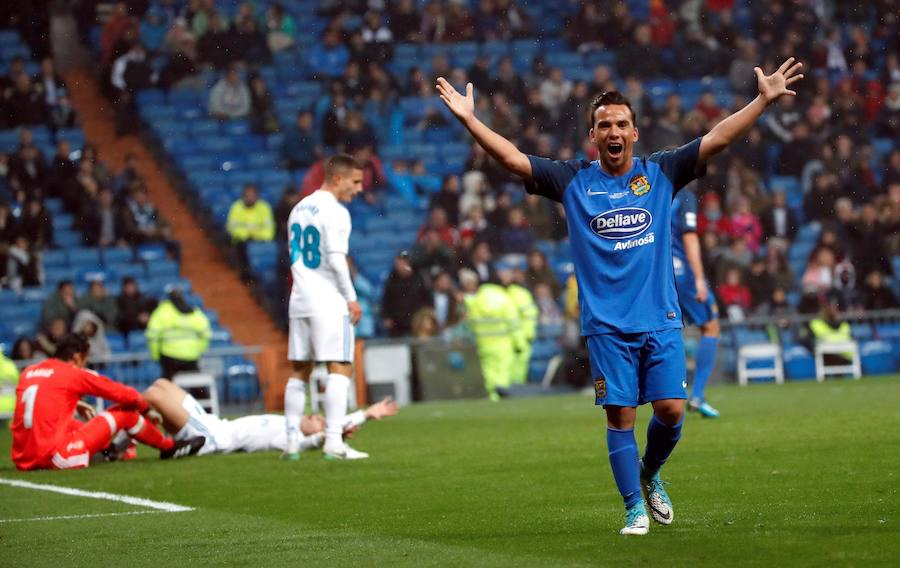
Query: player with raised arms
pixel 184 418
pixel 47 436
pixel 618 212
pixel 323 308
pixel 697 301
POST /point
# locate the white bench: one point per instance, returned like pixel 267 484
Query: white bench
pixel 842 348
pixel 754 352
pixel 194 380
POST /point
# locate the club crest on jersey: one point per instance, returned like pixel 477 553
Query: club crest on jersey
pixel 621 223
pixel 639 185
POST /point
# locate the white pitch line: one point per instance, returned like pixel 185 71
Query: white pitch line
pixel 140 502
pixel 91 516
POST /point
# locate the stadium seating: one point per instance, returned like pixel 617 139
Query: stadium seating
pixel 216 159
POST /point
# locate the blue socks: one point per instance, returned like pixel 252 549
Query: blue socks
pixel 706 360
pixel 661 440
pixel 623 457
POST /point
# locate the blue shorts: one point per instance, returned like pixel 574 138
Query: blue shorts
pixel 694 311
pixel 630 369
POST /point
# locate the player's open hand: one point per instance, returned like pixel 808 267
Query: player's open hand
pixel 355 312
pixel 387 407
pixel 774 86
pixel 85 410
pixel 463 106
pixel 702 292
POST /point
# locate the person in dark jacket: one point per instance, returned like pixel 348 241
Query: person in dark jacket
pixel 778 220
pixel 36 225
pixel 301 148
pixel 405 293
pixel 876 295
pixel 134 307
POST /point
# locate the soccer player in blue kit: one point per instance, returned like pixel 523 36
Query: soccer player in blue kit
pixel 698 304
pixel 618 212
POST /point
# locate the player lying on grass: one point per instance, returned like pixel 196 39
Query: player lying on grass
pixel 46 434
pixel 618 212
pixel 183 416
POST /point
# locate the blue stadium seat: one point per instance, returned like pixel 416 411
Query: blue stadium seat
pixel 236 128
pixel 136 340
pixel 150 252
pixel 8 296
pixel 242 383
pixel 861 331
pixel 162 269
pixel 170 128
pixel 66 238
pixel 21 327
pixel 116 342
pixel 75 136
pixel 799 363
pixel 53 275
pixel 53 258
pixel 116 255
pixel 36 294
pixel 151 97
pixel 79 257
pixel 545 348
pixel 54 205
pixel 536 369
pixel 876 357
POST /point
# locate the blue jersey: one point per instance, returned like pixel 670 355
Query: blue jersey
pixel 621 236
pixel 684 220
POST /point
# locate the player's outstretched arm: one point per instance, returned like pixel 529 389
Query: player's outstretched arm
pixel 501 149
pixel 382 409
pixel 771 88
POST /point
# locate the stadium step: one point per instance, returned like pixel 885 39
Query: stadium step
pixel 202 262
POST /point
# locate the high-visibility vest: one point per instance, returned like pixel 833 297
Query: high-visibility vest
pixel 528 310
pixel 177 335
pixel 250 223
pixel 824 333
pixel 9 377
pixel 491 314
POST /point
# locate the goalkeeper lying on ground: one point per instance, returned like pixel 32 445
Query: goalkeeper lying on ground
pixel 183 417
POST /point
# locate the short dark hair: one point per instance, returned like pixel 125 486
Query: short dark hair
pixel 341 163
pixel 611 98
pixel 70 345
pixel 62 284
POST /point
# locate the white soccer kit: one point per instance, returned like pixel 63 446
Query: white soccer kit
pixel 319 240
pixel 257 433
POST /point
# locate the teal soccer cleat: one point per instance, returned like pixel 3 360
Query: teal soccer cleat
pixel 636 521
pixel 657 499
pixel 703 407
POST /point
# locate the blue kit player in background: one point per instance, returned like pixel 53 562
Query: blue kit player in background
pixel 619 215
pixel 698 304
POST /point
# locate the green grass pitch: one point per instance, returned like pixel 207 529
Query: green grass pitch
pixel 803 474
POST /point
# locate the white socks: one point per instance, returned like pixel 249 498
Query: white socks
pixel 294 406
pixel 336 393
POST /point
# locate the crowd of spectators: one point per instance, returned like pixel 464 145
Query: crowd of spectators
pixel 823 138
pixel 108 211
pixel 39 100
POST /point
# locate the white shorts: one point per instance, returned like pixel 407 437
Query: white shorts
pixel 201 423
pixel 322 339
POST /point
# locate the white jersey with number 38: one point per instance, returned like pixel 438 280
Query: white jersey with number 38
pixel 317 226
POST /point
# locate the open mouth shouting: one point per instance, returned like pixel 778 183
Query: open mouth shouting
pixel 615 150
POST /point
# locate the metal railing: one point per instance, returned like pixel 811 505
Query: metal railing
pixel 234 369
